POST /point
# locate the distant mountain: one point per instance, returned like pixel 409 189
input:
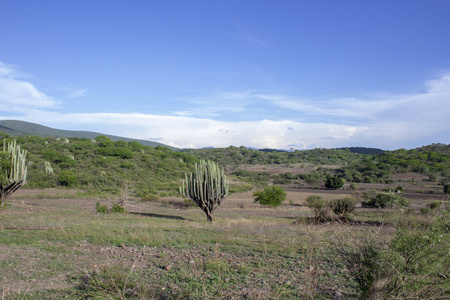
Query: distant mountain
pixel 21 128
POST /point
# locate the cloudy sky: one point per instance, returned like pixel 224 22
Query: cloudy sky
pixel 278 74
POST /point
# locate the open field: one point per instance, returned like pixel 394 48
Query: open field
pixel 62 248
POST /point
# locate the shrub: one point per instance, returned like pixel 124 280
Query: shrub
pixel 418 261
pixel 101 208
pixel 319 206
pixel 354 186
pixel 270 196
pixel 118 152
pixel 117 208
pixel 150 198
pixel 425 210
pixel 341 207
pixel 67 178
pixel 383 200
pixel 399 189
pixel 447 188
pixel 434 204
pixel 334 182
pixel 364 265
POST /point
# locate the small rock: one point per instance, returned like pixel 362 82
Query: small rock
pixel 168 267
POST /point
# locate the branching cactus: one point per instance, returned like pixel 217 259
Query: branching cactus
pixel 13 170
pixel 207 187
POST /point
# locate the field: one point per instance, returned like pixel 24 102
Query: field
pixel 54 245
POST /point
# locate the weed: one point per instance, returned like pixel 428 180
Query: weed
pixel 101 208
pixel 419 260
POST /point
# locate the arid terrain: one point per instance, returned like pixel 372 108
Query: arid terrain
pixel 55 245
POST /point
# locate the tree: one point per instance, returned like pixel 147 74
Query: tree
pixel 271 196
pixel 13 170
pixel 207 187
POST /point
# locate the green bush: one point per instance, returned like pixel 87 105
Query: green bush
pixel 319 206
pixel 354 186
pixel 116 208
pixel 270 196
pixel 101 208
pixel 434 204
pixel 112 151
pixel 67 178
pixel 334 182
pixel 383 200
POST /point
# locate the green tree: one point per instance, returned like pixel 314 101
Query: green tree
pixel 270 196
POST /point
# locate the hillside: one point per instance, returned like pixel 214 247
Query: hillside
pixel 103 165
pixel 22 128
pixel 242 155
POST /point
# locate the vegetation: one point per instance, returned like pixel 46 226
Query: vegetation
pixel 270 196
pixel 207 187
pixel 100 165
pixel 429 160
pixel 59 244
pixel 319 206
pixel 391 199
pixel 330 210
pixel 334 183
pixel 13 170
pixel 342 207
pixel 241 156
pixel 447 188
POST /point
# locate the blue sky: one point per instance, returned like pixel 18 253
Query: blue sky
pixel 277 74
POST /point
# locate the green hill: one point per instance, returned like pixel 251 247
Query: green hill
pixel 22 128
pixel 102 165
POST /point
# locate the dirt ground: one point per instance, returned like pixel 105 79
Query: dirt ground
pixel 25 268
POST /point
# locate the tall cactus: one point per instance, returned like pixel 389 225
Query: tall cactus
pixel 207 187
pixel 13 170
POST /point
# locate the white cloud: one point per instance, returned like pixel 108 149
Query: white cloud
pixel 9 71
pixel 17 95
pixel 75 92
pixel 388 122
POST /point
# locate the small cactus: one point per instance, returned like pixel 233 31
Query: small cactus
pixel 48 167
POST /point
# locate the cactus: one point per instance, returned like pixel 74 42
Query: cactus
pixel 207 187
pixel 48 167
pixel 13 170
